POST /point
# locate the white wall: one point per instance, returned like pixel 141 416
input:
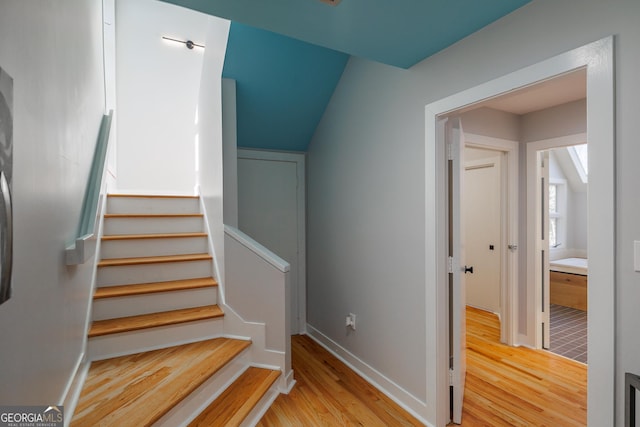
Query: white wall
pixel 210 153
pixel 158 86
pixel 230 151
pixel 367 192
pixel 53 51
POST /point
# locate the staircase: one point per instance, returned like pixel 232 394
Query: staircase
pixel 157 336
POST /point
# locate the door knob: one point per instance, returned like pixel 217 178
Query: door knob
pixel 468 269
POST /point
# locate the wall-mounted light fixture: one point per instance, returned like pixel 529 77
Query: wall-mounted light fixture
pixel 188 43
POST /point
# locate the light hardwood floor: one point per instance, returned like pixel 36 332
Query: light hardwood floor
pixel 328 393
pixel 505 386
pixel 509 386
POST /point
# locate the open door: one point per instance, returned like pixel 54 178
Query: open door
pixel 457 267
pixel 542 250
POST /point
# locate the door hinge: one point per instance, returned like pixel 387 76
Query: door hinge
pixel 450 265
pixel 451 371
pixel 450 151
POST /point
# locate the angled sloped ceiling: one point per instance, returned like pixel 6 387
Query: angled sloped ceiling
pixel 285 56
pixel 283 86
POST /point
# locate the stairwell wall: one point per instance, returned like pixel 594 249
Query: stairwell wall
pixel 53 51
pixel 209 176
pixel 157 93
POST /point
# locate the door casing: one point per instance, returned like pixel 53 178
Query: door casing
pixel 597 58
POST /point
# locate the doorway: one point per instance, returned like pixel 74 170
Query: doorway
pixel 483 216
pixel 271 209
pixel 597 60
pixel 561 235
pixel 491 238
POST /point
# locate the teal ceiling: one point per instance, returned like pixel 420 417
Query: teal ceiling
pixel 394 32
pixel 283 86
pixel 287 56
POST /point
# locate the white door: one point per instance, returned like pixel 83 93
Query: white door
pixel 482 208
pixel 271 211
pixel 458 267
pixel 542 249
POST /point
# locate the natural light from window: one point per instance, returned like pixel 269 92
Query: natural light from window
pixel 553 216
pixel 580 157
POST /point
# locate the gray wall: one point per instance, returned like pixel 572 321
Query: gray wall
pixel 562 120
pixel 367 192
pixel 53 51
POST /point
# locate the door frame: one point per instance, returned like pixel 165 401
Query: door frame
pixel 533 337
pixel 597 59
pixel 299 160
pixel 509 179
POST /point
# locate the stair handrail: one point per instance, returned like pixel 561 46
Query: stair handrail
pixel 80 250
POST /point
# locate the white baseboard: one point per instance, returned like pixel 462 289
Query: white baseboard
pixel 403 398
pixel 524 341
pixel 74 388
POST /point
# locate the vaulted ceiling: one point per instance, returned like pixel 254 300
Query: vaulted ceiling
pixel 287 78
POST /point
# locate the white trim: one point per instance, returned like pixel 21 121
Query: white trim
pixel 257 248
pixel 393 391
pixel 597 58
pixel 74 387
pixel 300 161
pixel 509 276
pixel 216 267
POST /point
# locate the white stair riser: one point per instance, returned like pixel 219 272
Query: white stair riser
pixel 152 205
pixel 110 308
pixel 146 225
pixel 149 273
pixel 192 405
pixel 132 248
pixel 114 345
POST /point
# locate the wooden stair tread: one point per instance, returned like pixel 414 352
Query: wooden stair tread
pixel 149 215
pixel 145 321
pixel 155 196
pixel 137 390
pixel 152 236
pixel 151 288
pixel 153 260
pixel 237 401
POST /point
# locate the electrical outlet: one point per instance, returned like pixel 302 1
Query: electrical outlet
pixel 351 321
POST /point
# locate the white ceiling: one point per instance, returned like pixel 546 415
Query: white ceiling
pixel 549 93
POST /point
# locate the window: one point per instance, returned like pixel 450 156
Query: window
pixel 557 209
pixel 580 157
pixel 553 219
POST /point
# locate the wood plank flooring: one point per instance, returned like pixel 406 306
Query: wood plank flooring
pixel 506 386
pixel 509 386
pixel 328 393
